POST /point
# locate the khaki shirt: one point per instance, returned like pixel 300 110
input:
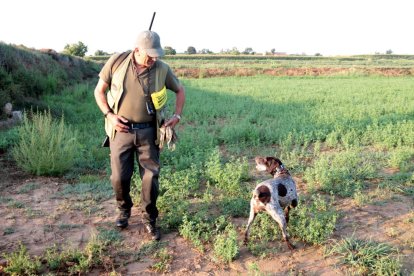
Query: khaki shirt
pixel 132 105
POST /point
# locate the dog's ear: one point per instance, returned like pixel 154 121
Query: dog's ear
pixel 272 164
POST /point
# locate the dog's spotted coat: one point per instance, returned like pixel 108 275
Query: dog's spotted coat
pixel 275 196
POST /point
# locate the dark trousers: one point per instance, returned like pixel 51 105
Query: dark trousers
pixel 124 147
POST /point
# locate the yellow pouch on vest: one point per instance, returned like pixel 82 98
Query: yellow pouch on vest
pixel 159 99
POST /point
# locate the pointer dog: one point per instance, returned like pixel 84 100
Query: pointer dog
pixel 273 195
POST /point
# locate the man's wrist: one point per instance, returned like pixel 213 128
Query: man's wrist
pixel 178 116
pixel 107 112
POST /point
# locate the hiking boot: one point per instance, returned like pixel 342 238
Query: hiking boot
pixel 122 219
pixel 153 231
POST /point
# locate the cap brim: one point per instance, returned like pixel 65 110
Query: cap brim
pixel 155 52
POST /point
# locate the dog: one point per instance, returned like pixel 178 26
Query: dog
pixel 276 196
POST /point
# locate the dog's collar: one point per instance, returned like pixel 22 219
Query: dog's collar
pixel 279 170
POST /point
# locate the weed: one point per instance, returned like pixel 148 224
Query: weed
pixel 226 248
pixel 229 176
pixel 15 204
pixel 96 191
pixel 314 220
pixel 8 231
pixel 28 187
pixel 148 249
pixel 20 263
pixel 164 259
pixel 340 173
pixel 366 257
pixel 45 147
pixel 361 198
pixel 254 269
pixel 197 230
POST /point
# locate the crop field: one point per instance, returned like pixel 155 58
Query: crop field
pixel 347 139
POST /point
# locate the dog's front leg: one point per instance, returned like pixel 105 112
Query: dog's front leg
pixel 277 214
pixel 252 216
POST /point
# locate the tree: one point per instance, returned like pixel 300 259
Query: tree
pixel 76 49
pixel 234 51
pixel 389 52
pixel 273 51
pixel 191 50
pixel 101 53
pixel 169 50
pixel 248 51
pixel 205 51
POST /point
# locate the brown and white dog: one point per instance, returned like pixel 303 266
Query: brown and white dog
pixel 275 196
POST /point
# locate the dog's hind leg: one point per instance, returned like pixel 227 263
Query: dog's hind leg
pixel 249 223
pixel 278 215
pixel 287 209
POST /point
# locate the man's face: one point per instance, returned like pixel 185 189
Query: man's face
pixel 143 59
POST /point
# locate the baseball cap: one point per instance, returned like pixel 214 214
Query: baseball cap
pixel 150 42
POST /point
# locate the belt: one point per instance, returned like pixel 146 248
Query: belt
pixel 140 125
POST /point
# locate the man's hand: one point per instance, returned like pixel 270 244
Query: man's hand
pixel 118 122
pixel 172 122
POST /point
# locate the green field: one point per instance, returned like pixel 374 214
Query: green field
pixel 338 135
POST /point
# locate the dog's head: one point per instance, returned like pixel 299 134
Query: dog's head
pixel 271 165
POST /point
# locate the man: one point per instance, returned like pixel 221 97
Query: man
pixel 133 120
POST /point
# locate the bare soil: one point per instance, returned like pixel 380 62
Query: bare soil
pixel 39 219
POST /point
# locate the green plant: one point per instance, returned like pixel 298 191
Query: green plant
pixel 45 146
pixel 164 259
pixel 197 231
pixel 20 262
pixel 402 158
pixel 29 187
pixel 226 248
pixel 76 49
pixel 313 220
pixel 227 177
pixel 341 173
pixel 366 257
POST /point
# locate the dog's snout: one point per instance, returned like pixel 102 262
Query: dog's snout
pixel 294 203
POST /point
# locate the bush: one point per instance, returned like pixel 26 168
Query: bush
pixel 366 257
pixel 76 49
pixel 20 263
pixel 226 247
pixel 313 221
pixel 227 177
pixel 341 173
pixel 45 146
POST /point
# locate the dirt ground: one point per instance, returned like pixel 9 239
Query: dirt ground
pixel 39 219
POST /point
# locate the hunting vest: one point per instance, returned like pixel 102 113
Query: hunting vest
pixel 159 96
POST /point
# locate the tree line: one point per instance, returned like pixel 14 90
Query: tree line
pixel 80 49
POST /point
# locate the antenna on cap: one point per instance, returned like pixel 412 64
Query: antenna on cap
pixel 152 20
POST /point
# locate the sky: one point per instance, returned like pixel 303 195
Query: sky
pixel 328 27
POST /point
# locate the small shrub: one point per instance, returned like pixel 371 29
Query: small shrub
pixel 341 173
pixel 313 221
pixel 226 247
pixel 45 146
pixel 366 257
pixel 227 177
pixel 234 206
pixel 20 263
pixel 264 229
pixel 197 231
pixel 402 158
pixel 164 260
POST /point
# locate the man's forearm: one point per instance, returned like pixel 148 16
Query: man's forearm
pixel 179 101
